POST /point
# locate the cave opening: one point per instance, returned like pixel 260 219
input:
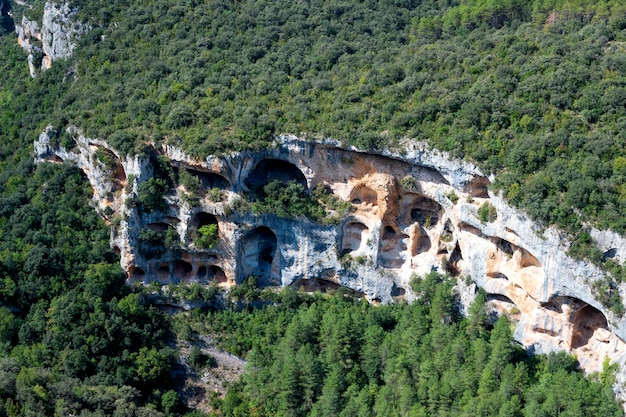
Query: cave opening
pixel 137 274
pixel 209 180
pixel 397 291
pixel 417 208
pixel 163 274
pixel 353 235
pixel 478 187
pixel 259 250
pixel 114 165
pixel 182 269
pixel 452 266
pixel 364 195
pixel 269 170
pixel 204 219
pixel 586 321
pixel 422 241
pixel 391 245
pixel 215 273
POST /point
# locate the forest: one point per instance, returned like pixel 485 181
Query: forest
pixel 533 91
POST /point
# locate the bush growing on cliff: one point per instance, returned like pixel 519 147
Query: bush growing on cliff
pixel 207 236
pixel 150 194
pixel 288 200
pixel 487 213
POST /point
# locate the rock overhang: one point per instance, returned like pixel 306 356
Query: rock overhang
pixel 403 221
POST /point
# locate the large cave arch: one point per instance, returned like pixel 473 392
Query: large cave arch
pixel 108 158
pixel 585 318
pixel 259 250
pixel 269 170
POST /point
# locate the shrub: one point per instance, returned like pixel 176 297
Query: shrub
pixel 150 194
pixel 207 236
pixel 180 116
pixel 487 213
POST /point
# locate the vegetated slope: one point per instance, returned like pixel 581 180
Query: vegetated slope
pixel 333 356
pixel 532 95
pixel 533 91
pixel 74 339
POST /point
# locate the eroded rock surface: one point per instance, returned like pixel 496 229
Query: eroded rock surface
pixel 409 214
pixel 51 39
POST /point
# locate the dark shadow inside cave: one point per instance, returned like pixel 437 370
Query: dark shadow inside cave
pixel 259 250
pixel 269 170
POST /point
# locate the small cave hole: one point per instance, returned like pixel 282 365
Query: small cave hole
pixel 215 273
pixel 478 187
pixel 201 274
pixel 182 269
pixel 205 239
pixel 388 233
pixel 390 247
pixel 500 298
pixel 364 195
pixel 452 265
pixel 447 234
pixel 163 274
pixel 397 291
pixel 353 234
pixel 610 254
pixel 422 242
pixel 497 275
pixel 137 274
pixel 528 259
pixel 417 208
pixel 204 219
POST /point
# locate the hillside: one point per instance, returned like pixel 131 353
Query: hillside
pixel 532 91
pixel 188 119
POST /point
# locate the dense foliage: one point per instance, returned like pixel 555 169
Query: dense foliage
pixel 533 90
pixel 73 338
pixel 335 356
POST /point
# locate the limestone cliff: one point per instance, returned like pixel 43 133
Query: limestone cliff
pixel 409 214
pixel 51 39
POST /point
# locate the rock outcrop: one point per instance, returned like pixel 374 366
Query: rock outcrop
pixel 51 39
pixel 408 214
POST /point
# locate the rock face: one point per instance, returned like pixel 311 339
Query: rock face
pixel 50 40
pixel 408 214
